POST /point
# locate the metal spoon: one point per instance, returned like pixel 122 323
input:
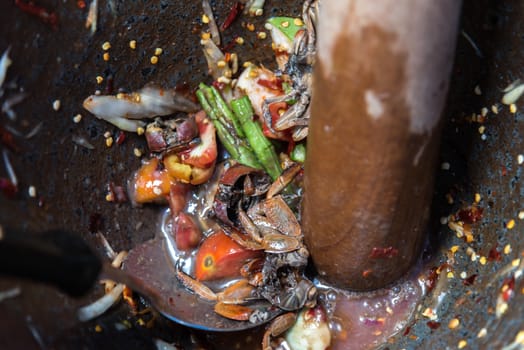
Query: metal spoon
pixel 66 261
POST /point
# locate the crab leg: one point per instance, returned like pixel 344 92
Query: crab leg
pixel 199 288
pixel 283 180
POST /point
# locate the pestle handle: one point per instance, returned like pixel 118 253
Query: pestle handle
pixel 56 257
pixel 380 82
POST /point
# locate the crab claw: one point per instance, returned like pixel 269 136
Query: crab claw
pixel 219 256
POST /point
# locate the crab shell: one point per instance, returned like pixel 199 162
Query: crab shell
pixel 220 257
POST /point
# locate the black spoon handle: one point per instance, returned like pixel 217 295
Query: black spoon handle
pixel 56 257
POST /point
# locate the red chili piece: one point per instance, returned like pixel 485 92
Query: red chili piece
pixel 118 192
pixel 8 188
pixel 383 253
pixel 46 16
pixel 494 254
pixel 433 324
pixel 470 215
pixel 218 86
pixel 366 273
pixel 230 45
pixel 120 138
pixel 233 14
pixel 470 280
pixel 431 280
pixel 507 288
pixel 7 139
pixel 274 84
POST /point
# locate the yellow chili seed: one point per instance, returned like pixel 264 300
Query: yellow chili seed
pixel 453 323
pixel 507 249
pixel 106 56
pixel 206 36
pixel 482 333
pixel 510 224
pixel 205 19
pixel 261 35
pixel 106 46
pixel 137 152
pixel 140 130
pixel 298 22
pixel 109 141
pixel 56 105
pixel 158 51
pixel 285 24
pixel 462 344
pixel 99 79
pixel 513 108
pixel 477 197
pixel 221 64
pixel 239 40
pixel 250 27
pixel 132 44
pixel 483 260
pixel 519 338
pixel 154 59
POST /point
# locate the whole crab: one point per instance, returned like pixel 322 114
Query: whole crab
pixel 299 68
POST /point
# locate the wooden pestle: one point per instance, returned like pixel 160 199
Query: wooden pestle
pixel 381 77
